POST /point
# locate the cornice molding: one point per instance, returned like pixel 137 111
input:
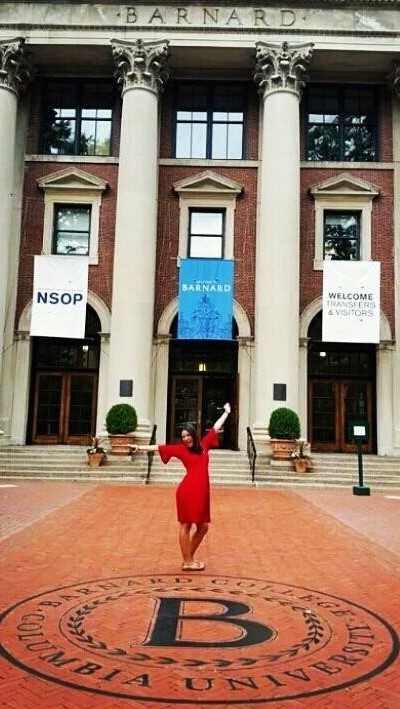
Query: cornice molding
pixel 207 182
pixel 387 4
pixel 71 178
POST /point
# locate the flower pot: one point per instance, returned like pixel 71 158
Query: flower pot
pixel 300 465
pixel 96 459
pixel 120 443
pixel 282 448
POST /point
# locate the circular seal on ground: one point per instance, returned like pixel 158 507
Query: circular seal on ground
pixel 191 639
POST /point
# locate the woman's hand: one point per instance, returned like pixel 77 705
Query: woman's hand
pixel 227 408
pixel 134 449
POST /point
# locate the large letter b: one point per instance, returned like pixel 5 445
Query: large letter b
pixel 164 632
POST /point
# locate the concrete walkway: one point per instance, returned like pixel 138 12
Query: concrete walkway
pixel 299 604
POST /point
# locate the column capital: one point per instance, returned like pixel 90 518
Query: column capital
pixel 15 69
pixel 394 78
pixel 141 65
pixel 281 67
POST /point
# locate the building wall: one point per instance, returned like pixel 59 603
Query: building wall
pixel 100 276
pixel 168 235
pixel 382 232
pixel 349 47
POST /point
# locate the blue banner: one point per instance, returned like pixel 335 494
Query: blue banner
pixel 205 299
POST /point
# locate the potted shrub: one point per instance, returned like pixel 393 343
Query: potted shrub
pixel 301 456
pixel 283 429
pixel 96 453
pixel 121 422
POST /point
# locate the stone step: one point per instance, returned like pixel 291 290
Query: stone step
pixel 229 468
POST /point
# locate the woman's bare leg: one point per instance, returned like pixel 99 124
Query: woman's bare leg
pixel 185 542
pixel 198 536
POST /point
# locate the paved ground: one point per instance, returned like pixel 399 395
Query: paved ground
pixel 299 605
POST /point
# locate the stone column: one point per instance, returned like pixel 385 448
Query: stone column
pixel 279 74
pixel 141 71
pixel 21 371
pixel 14 74
pixel 160 375
pixel 395 80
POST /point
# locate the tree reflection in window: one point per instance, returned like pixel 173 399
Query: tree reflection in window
pixel 341 236
pixel 341 123
pixel 78 117
pixel 71 229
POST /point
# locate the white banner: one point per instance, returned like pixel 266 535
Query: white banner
pixel 59 296
pixel 351 301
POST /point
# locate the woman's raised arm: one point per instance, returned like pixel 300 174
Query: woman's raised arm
pixel 220 422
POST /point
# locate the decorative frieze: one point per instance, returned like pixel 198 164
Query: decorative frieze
pixel 15 68
pixel 141 64
pixel 281 67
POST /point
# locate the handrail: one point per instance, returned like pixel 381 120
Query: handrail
pixel 150 454
pixel 251 453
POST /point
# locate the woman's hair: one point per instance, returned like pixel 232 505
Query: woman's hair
pixel 196 448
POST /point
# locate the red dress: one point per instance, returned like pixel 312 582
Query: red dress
pixel 193 493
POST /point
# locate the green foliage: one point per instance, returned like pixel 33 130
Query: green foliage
pixel 284 423
pixel 121 418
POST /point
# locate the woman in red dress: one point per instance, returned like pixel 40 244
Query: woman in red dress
pixel 193 493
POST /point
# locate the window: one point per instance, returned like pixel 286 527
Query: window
pixel 78 117
pixel 342 236
pixel 343 219
pixel 209 121
pixel 341 123
pixel 71 229
pixel 207 203
pixel 72 200
pixel 206 234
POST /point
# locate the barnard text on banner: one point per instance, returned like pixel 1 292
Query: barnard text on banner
pixel 205 299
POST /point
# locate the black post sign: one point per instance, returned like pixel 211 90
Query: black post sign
pixel 359 432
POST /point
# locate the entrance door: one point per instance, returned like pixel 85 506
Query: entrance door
pixel 332 405
pixel 64 407
pixel 198 400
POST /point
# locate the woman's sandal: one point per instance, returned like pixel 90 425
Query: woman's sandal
pixel 193 566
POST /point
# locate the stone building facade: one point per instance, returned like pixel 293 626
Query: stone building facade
pixel 146 133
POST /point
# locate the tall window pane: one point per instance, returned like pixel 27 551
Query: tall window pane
pixel 206 234
pixel 341 123
pixel 215 114
pixel 341 236
pixel 77 117
pixel 71 230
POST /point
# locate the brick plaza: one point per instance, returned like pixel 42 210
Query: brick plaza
pixel 308 579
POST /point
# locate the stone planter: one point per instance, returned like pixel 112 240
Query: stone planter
pixel 120 443
pixel 282 448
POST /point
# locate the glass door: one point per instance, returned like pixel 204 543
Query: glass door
pixel 64 408
pixel 215 393
pixel 199 401
pixel 185 405
pixel 332 405
pixel 81 413
pixel 356 406
pixel 48 408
